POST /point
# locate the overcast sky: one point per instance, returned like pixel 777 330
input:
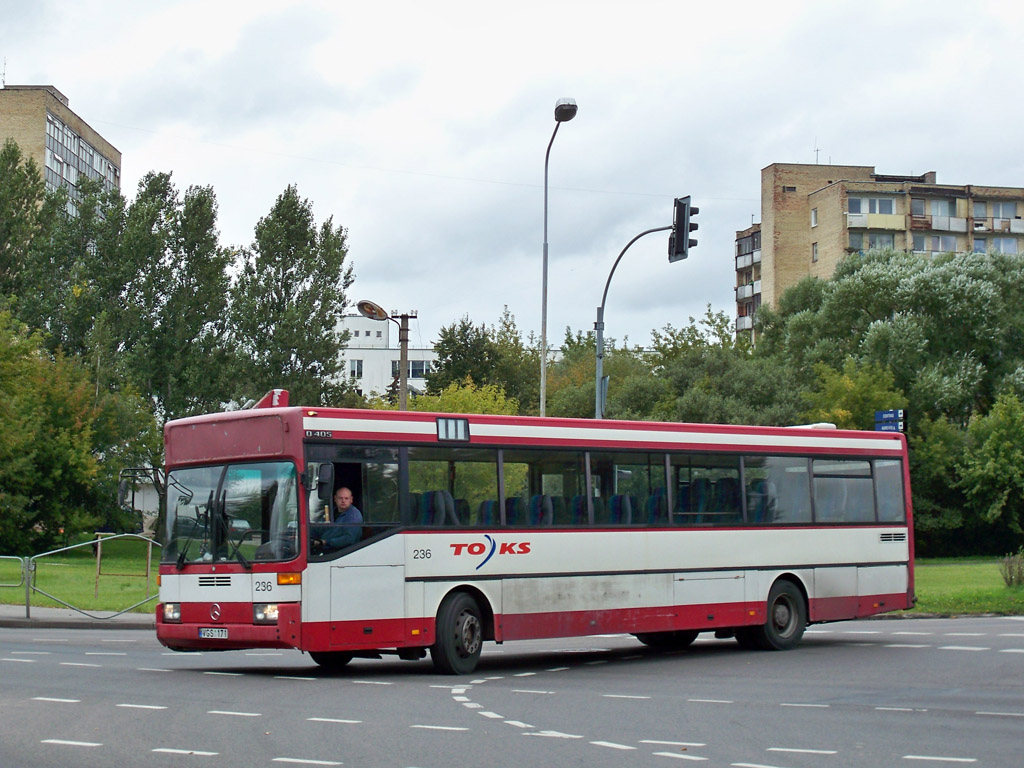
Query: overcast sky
pixel 421 127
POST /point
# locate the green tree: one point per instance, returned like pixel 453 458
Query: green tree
pixel 849 397
pixel 287 305
pixel 992 469
pixel 26 216
pixel 464 351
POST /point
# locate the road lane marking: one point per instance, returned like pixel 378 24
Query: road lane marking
pixel 594 663
pixel 710 701
pixel 492 715
pixel 539 693
pixel 1001 714
pixel 803 751
pixel 23 661
pixel 31 653
pixel 224 674
pixel 611 745
pixel 674 743
pixel 553 735
pixel 67 743
pixel 622 696
pixel 472 705
pixel 913 633
pixel 894 709
pixel 752 765
pixel 302 761
pixel 105 653
pixel 168 751
pixel 906 645
pixel 293 677
pixel 1010 634
pixel 141 706
pixel 524 674
pixel 58 701
pixel 965 634
pixel 370 682
pixel 807 706
pixel 941 759
pixel 80 664
pixel 49 639
pixel 1012 650
pixel 962 648
pixel 332 720
pixel 519 724
pixel 151 669
pixel 439 727
pixel 233 714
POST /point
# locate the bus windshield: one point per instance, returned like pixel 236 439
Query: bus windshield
pixel 232 512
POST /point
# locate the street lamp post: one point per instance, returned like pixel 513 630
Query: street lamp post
pixel 377 312
pixel 565 110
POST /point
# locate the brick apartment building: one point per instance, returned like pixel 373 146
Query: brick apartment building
pixel 62 144
pixel 812 216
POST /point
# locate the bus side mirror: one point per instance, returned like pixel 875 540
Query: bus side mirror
pixel 325 481
pixel 122 492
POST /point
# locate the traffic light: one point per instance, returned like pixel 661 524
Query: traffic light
pixel 679 242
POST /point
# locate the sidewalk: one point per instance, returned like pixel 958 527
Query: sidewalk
pixel 13 616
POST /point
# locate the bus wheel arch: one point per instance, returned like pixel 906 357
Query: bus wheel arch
pixel 459 632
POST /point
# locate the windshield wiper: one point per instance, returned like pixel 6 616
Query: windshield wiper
pixel 225 531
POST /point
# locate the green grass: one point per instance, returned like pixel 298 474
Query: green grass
pixel 954 586
pixel 964 586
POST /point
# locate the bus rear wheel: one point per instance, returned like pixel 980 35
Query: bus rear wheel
pixel 460 635
pixel 332 661
pixel 787 620
pixel 668 641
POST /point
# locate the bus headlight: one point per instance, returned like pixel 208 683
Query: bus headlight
pixel 172 613
pixel 264 613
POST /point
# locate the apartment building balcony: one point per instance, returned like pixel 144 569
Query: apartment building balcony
pixel 876 221
pixel 747 290
pixel 1015 226
pixel 744 323
pixel 745 260
pixel 938 223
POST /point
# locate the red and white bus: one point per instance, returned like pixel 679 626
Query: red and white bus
pixel 480 528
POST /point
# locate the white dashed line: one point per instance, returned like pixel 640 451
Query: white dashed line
pixel 941 759
pixel 492 715
pixel 519 724
pixel 66 743
pixel 1011 634
pixel 228 713
pixel 807 706
pixel 622 696
pixel 439 727
pixel 961 648
pixel 23 661
pixel 57 701
pixel 559 669
pixel 196 752
pixel 905 645
pixel 301 761
pixel 1001 714
pixel 611 745
pixel 80 664
pixel 803 751
pixel 1012 650
pixel 554 735
pixel 151 669
pixel 964 634
pixel 141 706
pixel 224 674
pixel 31 653
pixel 709 701
pixel 472 705
pixel 914 633
pixel 525 674
pixel 894 709
pixel 293 677
pixel 370 682
pixel 332 720
pixel 462 698
pixel 674 743
pixel 595 663
pixel 539 693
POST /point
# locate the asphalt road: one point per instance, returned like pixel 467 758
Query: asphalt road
pixel 924 692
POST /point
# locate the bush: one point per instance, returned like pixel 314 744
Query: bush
pixel 1012 569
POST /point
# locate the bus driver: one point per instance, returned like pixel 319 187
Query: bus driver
pixel 342 529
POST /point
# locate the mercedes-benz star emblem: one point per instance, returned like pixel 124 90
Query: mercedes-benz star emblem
pixel 215 612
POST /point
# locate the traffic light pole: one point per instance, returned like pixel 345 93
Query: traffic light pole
pixel 599 393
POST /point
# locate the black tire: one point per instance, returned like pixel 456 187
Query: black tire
pixel 459 635
pixel 331 661
pixel 668 641
pixel 787 619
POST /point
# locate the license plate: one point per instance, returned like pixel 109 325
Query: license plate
pixel 213 632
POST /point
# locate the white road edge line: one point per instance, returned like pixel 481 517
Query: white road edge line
pixel 67 743
pixel 58 701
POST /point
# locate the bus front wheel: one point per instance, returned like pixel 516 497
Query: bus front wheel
pixel 787 620
pixel 332 661
pixel 668 641
pixel 460 635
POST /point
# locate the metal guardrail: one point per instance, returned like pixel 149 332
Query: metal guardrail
pixel 21 570
pixel 29 570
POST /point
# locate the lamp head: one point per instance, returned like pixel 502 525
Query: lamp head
pixel 565 110
pixel 371 310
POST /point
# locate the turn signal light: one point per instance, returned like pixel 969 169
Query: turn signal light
pixel 289 578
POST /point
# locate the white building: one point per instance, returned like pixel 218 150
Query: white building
pixel 372 362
